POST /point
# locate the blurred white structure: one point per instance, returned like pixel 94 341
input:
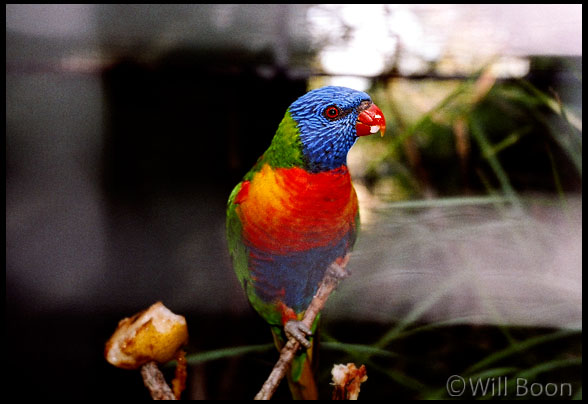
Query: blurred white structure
pixel 362 41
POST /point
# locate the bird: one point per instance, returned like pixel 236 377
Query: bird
pixel 296 212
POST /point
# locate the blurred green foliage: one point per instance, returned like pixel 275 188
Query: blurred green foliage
pixel 479 135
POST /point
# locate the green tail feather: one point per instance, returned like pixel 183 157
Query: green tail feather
pixel 301 375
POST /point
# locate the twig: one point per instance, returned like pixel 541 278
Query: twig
pixel 333 275
pixel 155 382
pixel 179 381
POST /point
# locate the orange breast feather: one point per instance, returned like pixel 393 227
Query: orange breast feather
pixel 286 210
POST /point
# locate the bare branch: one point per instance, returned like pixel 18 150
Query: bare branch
pixel 155 382
pixel 333 275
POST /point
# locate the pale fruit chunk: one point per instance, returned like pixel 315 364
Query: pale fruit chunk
pixel 155 334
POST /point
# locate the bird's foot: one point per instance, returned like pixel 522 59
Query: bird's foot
pixel 337 268
pixel 299 331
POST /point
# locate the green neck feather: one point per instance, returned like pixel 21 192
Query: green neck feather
pixel 286 148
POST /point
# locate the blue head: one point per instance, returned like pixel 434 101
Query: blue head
pixel 329 120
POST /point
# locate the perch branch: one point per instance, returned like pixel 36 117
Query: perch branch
pixel 333 275
pixel 155 382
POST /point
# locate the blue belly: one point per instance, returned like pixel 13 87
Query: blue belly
pixel 293 279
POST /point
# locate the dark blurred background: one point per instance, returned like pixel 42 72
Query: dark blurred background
pixel 127 127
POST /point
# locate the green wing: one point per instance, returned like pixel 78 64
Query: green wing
pixel 237 248
pixel 239 255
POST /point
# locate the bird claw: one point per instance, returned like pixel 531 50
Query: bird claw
pixel 299 331
pixel 338 271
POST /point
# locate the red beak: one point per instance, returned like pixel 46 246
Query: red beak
pixel 370 121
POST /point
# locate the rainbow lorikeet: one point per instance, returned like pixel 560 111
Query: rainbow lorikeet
pixel 296 212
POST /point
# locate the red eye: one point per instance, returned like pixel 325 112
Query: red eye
pixel 332 112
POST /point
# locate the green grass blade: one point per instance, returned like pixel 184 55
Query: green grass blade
pixel 357 349
pixel 418 311
pixel 444 202
pixel 517 348
pixel 222 353
pixel 548 367
pixel 487 150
